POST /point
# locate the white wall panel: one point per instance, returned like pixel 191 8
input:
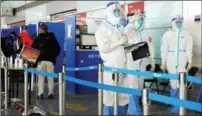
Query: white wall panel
pixel 159 13
pixel 14 4
pixel 190 9
pixel 36 14
pixel 83 6
pixel 3 22
pixel 59 6
pixel 20 16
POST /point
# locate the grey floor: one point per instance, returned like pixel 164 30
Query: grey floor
pixel 84 104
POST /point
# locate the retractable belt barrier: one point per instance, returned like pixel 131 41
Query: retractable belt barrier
pixel 144 74
pixel 155 97
pixel 81 68
pixel 148 74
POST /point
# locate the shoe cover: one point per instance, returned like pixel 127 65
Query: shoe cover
pixel 133 106
pixel 199 98
pixel 174 109
pixel 109 110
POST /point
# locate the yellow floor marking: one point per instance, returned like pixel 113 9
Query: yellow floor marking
pixel 54 113
pixel 76 107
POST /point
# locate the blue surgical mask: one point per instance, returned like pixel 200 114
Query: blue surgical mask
pixel 179 25
pixel 117 14
pixel 139 23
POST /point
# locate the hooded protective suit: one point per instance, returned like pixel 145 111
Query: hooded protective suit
pixel 176 52
pixel 109 36
pixel 136 34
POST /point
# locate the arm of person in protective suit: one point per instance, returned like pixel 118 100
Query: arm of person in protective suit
pixel 164 50
pixel 151 51
pixel 189 50
pixel 128 30
pixel 104 41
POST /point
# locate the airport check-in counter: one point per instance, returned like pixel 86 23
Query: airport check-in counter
pixel 81 51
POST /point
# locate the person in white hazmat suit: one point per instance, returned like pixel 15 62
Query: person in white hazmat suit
pixel 110 38
pixel 176 52
pixel 136 34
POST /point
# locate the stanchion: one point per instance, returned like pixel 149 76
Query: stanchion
pixel 145 101
pixel 100 91
pixel 25 91
pixel 32 81
pixel 60 79
pixel 6 88
pixel 116 79
pixel 0 95
pixel 182 91
pixel 63 89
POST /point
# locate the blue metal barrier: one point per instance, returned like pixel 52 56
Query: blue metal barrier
pixel 145 74
pixel 37 72
pixel 81 68
pixel 196 80
pixel 176 102
pixel 155 97
pixel 103 86
pixel 148 74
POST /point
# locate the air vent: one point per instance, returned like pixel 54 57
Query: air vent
pixel 7 11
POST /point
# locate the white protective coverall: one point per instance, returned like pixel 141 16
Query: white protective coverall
pixel 110 37
pixel 176 51
pixel 136 36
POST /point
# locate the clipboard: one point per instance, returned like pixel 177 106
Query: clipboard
pixel 138 51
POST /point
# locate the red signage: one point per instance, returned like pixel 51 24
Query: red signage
pixel 135 6
pixel 81 19
pixel 30 54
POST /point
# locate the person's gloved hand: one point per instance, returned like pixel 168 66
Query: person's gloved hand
pixel 136 15
pixel 189 65
pixel 132 49
pixel 123 40
pixel 163 66
pixel 152 65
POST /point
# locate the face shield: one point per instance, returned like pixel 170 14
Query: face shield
pixel 177 22
pixel 138 19
pixel 139 22
pixel 117 13
pixel 113 13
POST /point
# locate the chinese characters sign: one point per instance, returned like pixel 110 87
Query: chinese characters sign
pixel 30 54
pixel 135 6
pixel 92 56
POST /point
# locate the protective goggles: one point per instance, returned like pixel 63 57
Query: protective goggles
pixel 177 19
pixel 113 3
